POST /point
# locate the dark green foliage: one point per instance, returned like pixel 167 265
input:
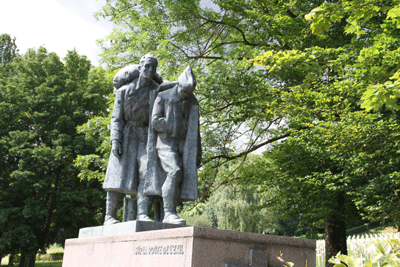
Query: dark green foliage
pixel 8 49
pixel 238 101
pixel 323 101
pixel 235 208
pixel 43 100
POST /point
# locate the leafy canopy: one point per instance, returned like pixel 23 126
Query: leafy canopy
pixel 308 81
pixel 43 100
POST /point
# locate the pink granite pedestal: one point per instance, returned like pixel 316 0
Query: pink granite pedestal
pixel 187 247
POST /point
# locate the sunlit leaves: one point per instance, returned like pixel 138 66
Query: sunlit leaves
pixel 375 23
pixel 380 252
pixel 308 90
pixel 323 16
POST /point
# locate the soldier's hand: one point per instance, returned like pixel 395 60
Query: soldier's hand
pixel 116 148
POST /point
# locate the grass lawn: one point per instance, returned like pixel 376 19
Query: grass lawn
pixel 52 249
pixel 49 264
pixel 45 264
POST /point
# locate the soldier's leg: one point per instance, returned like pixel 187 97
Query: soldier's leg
pixel 143 204
pixel 158 209
pixel 143 201
pixel 172 165
pixel 112 203
pixel 130 208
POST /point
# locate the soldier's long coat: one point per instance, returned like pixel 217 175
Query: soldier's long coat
pixel 191 153
pixel 122 173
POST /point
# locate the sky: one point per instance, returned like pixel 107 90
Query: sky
pixel 58 25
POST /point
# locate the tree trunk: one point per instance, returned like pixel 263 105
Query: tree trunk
pixel 11 260
pixel 335 231
pixel 27 259
pixel 335 238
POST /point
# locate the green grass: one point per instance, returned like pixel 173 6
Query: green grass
pixel 55 248
pixel 49 264
pixel 44 264
pixel 366 228
pixel 52 249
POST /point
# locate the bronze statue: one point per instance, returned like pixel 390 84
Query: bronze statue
pixel 155 141
pixel 175 120
pixel 129 131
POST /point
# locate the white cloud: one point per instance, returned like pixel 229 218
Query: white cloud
pixel 58 27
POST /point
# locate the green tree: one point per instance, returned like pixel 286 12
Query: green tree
pixel 232 206
pixel 42 200
pixel 374 28
pixel 321 63
pixel 355 150
pixel 8 49
pixel 237 100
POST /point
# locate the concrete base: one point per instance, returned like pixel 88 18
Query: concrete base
pixel 125 228
pixel 187 247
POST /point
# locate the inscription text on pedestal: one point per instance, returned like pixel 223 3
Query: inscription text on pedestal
pixel 160 250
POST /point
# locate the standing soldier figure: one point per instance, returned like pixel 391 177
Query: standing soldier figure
pixel 129 133
pixel 175 127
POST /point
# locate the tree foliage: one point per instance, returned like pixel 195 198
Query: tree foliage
pixel 237 100
pixel 340 82
pixel 373 24
pixel 245 205
pixel 381 253
pixel 235 207
pixel 8 49
pixel 354 149
pixel 315 83
pixel 43 100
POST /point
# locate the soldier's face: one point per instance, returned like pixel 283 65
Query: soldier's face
pixel 184 92
pixel 147 70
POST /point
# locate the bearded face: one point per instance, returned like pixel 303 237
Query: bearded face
pixel 147 69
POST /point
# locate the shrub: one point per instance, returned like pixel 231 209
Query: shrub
pixel 55 256
pixel 381 253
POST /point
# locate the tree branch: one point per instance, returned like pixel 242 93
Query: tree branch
pixel 245 41
pixel 254 148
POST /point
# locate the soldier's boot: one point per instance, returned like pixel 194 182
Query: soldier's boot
pixel 111 208
pixel 170 215
pixel 143 207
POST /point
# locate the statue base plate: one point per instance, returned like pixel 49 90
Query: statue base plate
pixel 125 228
pixel 189 246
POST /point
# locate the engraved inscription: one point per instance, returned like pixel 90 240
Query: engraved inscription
pixel 160 250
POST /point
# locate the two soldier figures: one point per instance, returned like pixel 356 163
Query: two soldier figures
pixel 155 142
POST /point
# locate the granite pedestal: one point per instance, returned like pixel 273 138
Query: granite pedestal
pixel 125 228
pixel 185 247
